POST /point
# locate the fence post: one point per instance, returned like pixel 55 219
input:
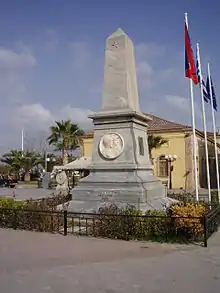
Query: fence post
pixel 15 219
pixel 205 226
pixel 65 222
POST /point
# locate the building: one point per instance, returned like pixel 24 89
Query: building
pixel 173 162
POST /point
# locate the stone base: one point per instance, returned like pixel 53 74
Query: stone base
pixel 77 206
pixel 61 190
pixel 123 189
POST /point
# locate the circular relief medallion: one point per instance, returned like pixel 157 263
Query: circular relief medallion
pixel 111 145
pixel 61 178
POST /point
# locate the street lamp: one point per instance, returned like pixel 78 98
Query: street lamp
pixel 170 159
pixel 47 160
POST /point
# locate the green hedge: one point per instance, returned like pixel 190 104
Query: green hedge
pixel 37 215
pixel 128 224
pixel 111 222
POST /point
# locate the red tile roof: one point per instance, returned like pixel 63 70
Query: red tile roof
pixel 158 123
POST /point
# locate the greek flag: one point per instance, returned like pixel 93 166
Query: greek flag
pixel 206 95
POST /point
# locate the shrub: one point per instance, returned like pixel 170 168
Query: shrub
pixel 129 223
pixel 157 225
pixel 37 215
pixel 10 203
pixel 183 196
pixel 214 199
pixel 187 218
pixel 181 222
pixel 116 223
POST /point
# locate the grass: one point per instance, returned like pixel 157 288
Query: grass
pixel 34 182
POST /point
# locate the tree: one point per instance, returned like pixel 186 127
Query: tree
pixel 65 136
pixel 28 161
pixel 12 160
pixel 17 160
pixel 155 142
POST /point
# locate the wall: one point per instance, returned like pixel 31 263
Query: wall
pixel 175 146
pixel 202 164
pixel 87 147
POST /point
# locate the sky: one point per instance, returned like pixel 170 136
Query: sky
pixel 52 55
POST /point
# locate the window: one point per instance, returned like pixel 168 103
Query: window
pixel 163 167
pixel 141 145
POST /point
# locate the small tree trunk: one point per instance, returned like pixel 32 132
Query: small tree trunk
pixel 27 177
pixel 65 157
pixel 65 151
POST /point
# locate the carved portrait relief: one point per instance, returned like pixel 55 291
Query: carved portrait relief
pixel 111 146
pixel 61 178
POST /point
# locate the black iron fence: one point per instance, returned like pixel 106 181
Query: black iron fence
pixel 115 226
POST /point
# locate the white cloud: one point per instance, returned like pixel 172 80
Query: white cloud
pixel 36 117
pixel 12 61
pixel 32 114
pixel 178 103
pixel 77 115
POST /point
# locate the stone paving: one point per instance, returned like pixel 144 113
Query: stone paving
pixel 25 193
pixel 41 262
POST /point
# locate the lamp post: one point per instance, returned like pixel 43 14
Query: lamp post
pixel 170 159
pixel 47 160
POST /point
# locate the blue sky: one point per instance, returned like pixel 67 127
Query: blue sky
pixel 52 59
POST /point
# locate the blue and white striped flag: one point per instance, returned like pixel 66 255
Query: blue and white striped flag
pixel 206 95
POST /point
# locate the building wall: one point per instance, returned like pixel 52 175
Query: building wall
pixel 175 146
pixel 189 166
pixel 87 147
pixel 202 165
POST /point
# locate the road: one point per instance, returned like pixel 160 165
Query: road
pixel 41 262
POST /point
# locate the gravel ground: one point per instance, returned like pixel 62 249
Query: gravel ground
pixel 41 262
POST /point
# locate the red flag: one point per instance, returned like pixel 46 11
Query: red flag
pixel 190 69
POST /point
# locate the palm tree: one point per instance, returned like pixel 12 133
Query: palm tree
pixel 28 160
pixel 12 159
pixel 155 142
pixel 65 136
pixel 17 160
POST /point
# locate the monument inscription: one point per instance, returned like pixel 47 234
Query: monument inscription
pixel 111 146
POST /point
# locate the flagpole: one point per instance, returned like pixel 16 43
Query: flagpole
pixel 22 141
pixel 204 122
pixel 214 130
pixel 194 128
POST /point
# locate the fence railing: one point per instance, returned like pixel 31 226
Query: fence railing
pixel 115 226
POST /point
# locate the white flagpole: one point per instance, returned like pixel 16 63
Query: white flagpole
pixel 204 122
pixel 194 128
pixel 214 130
pixel 22 140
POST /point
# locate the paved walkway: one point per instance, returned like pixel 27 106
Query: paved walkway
pixel 40 262
pixel 25 193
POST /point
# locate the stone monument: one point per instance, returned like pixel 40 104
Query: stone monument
pixel 62 187
pixel 120 171
pixel 46 180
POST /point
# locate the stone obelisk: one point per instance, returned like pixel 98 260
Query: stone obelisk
pixel 121 171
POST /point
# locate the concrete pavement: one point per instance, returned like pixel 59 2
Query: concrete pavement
pixel 25 193
pixel 40 262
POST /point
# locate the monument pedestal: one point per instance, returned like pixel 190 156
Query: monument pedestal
pixel 121 171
